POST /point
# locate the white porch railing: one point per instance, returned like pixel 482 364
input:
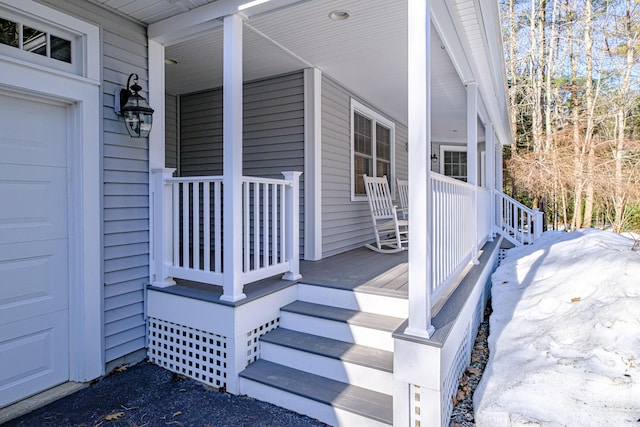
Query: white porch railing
pixel 451 231
pixel 516 222
pixel 485 219
pixel 188 228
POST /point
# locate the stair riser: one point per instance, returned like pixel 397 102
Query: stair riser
pixel 334 369
pixel 323 412
pixel 378 304
pixel 337 330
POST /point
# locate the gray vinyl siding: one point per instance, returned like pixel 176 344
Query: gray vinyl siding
pixel 201 133
pixel 345 224
pixel 125 190
pixel 171 131
pixel 273 131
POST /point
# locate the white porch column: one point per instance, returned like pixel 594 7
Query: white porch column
pixel 292 219
pixel 312 164
pixel 232 159
pixel 497 153
pixel 472 160
pixel 419 88
pixel 156 101
pixel 491 175
pixel 159 224
pixel 162 231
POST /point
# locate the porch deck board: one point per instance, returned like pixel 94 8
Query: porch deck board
pixel 368 403
pixel 360 269
pixel 334 349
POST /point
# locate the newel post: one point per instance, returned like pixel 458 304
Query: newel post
pixel 162 231
pixel 538 218
pixel 292 227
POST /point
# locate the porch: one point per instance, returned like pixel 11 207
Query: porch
pixel 322 345
pixel 357 270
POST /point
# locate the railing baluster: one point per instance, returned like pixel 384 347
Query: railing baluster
pixel 265 225
pixel 217 205
pixel 256 226
pixel 186 218
pixel 196 226
pixel 274 224
pixel 206 215
pixel 283 233
pixel 176 222
pixel 247 230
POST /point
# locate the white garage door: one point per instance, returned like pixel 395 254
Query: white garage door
pixel 34 260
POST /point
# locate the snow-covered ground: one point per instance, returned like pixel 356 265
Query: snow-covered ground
pixel 564 334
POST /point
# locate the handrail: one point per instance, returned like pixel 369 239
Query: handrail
pixel 516 222
pixel 194 178
pixel 458 183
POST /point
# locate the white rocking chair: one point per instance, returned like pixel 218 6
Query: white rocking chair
pixel 403 197
pixel 392 234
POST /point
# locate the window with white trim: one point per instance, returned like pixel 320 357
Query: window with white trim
pixel 38 42
pixel 453 161
pixel 372 148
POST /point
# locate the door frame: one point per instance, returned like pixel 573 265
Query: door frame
pixel 81 94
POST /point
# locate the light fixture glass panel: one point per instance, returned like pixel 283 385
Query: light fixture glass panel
pixel 60 49
pixel 34 41
pixel 9 33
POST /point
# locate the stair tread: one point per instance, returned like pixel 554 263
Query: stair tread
pixel 361 401
pixel 352 317
pixel 335 349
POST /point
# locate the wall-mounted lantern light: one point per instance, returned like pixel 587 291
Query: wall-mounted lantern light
pixel 434 157
pixel 138 116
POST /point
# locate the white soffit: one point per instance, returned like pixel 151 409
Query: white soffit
pixel 366 53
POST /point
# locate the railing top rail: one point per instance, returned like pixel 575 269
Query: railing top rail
pixel 514 202
pixel 193 178
pixel 443 178
pixel 265 180
pixel 220 178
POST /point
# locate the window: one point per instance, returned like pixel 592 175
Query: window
pixel 453 161
pixel 372 148
pixel 23 38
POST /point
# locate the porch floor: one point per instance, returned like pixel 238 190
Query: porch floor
pixel 359 269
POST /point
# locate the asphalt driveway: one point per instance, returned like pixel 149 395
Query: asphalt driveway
pixel 147 395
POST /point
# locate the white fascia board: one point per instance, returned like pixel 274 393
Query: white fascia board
pixel 204 18
pixel 479 68
pixel 492 73
pixel 446 28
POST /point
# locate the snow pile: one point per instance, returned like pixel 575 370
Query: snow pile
pixel 564 334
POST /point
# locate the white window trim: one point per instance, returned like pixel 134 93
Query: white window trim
pixel 459 148
pixel 377 118
pixel 86 37
pixel 82 95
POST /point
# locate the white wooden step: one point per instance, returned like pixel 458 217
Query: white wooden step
pixel 388 305
pixel 368 329
pixel 358 365
pixel 330 401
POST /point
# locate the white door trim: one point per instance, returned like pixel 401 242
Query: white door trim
pixel 82 95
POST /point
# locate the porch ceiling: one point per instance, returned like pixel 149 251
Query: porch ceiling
pixel 366 53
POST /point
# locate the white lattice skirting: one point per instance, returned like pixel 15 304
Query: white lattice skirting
pixel 197 354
